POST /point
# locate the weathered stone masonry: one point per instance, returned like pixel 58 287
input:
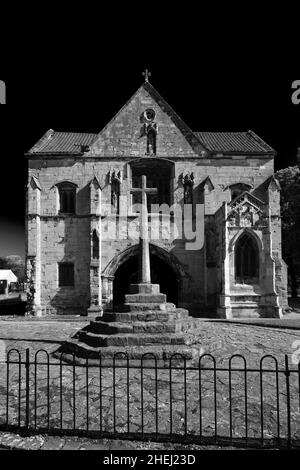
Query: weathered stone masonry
pixel 232 176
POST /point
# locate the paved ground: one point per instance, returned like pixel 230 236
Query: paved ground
pixel 12 441
pixel 222 339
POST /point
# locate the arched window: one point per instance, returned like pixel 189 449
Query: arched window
pixel 95 245
pixel 238 188
pixel 67 198
pixel 246 260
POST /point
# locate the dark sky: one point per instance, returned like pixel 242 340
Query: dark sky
pixel 81 93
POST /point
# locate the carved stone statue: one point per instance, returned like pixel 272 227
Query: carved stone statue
pixel 151 132
pixel 188 184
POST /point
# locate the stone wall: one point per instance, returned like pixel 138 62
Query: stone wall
pixel 53 238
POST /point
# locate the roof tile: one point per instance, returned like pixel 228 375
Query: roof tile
pixel 234 142
pixel 62 142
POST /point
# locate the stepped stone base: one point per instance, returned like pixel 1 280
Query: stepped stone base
pixel 147 323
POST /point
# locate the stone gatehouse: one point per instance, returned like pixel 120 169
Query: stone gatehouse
pixel 82 222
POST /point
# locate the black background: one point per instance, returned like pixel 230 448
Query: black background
pixel 77 81
pixel 72 68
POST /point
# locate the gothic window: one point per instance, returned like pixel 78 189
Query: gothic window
pixel 238 188
pixel 67 198
pixel 158 178
pixel 66 274
pixel 246 259
pixel 95 245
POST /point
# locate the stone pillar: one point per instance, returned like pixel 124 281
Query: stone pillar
pixel 270 302
pixel 34 244
pixel 95 308
pixel 224 309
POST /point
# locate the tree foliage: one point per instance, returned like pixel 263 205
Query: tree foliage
pixel 16 264
pixel 289 179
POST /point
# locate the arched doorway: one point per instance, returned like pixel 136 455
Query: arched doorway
pixel 161 273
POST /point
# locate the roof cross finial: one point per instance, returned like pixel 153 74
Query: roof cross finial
pixel 147 74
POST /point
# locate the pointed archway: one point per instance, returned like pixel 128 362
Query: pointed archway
pixel 166 270
pixel 161 273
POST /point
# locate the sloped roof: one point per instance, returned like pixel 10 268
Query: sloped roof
pixel 234 142
pixel 62 142
pixel 74 143
pixel 8 274
pixel 223 142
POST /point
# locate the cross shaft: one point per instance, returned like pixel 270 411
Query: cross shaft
pixel 144 254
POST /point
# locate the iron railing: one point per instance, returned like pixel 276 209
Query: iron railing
pixel 175 400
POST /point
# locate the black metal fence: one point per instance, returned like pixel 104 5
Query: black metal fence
pixel 201 403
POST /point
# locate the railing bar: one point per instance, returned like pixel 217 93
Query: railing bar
pixel 288 400
pixel 156 398
pixel 19 403
pixel 200 403
pixel 48 390
pixel 7 392
pixel 35 391
pixel 277 403
pixel 114 393
pixel 74 391
pixel 230 404
pixel 299 382
pixel 60 393
pixel 218 369
pixel 185 401
pixel 100 395
pixel 261 406
pixel 171 410
pixel 246 405
pixel 27 387
pixel 128 397
pixel 215 403
pixel 142 397
pixel 87 392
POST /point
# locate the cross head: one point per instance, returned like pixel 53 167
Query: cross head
pixel 147 74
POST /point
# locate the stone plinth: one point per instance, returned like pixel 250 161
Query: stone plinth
pixel 146 321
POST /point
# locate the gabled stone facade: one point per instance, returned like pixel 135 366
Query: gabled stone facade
pixel 226 178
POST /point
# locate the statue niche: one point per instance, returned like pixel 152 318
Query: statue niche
pixel 188 185
pixel 115 180
pixel 150 130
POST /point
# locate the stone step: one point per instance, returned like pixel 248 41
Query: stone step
pixel 129 339
pixel 144 306
pixel 144 289
pixel 137 327
pixel 145 298
pixel 150 315
pixel 245 304
pixel 82 352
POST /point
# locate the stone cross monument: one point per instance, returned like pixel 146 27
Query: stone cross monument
pixel 144 257
pixel 146 323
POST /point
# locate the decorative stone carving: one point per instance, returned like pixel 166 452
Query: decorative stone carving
pixel 115 176
pixel 151 131
pixel 115 179
pixel 246 215
pixel 188 183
